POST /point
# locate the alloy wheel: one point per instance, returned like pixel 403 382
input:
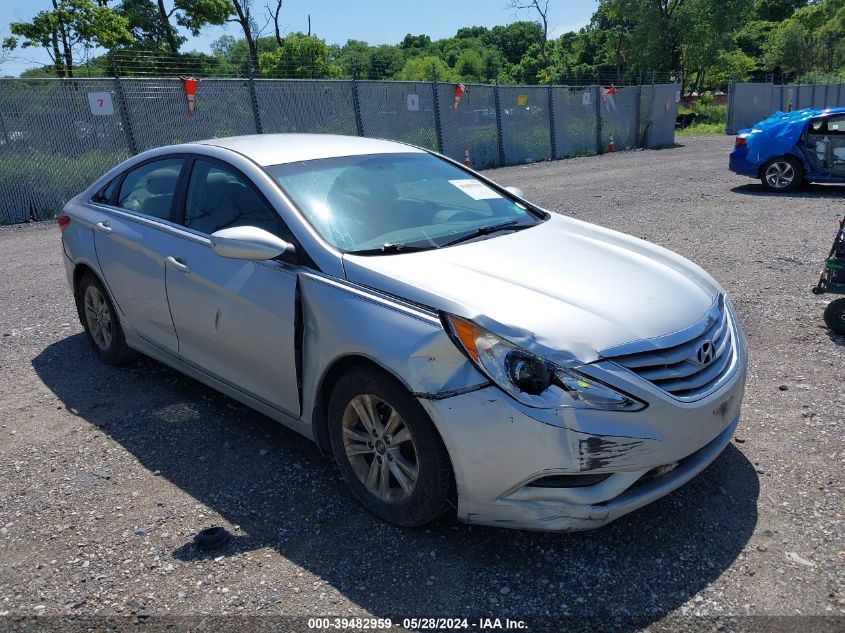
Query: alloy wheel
pixel 780 175
pixel 98 317
pixel 380 448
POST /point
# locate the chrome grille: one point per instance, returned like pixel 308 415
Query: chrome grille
pixel 688 364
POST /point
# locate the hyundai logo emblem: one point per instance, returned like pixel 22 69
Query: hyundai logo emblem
pixel 706 352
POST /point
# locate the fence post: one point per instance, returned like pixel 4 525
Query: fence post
pixel 256 113
pixel 798 96
pixel 500 139
pixel 729 119
pixel 124 109
pixel 438 129
pixel 359 122
pixel 597 91
pixel 838 95
pixel 552 141
pixel 638 110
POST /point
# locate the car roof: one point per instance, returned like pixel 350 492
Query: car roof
pixel 274 149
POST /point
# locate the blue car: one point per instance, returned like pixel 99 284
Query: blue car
pixel 789 148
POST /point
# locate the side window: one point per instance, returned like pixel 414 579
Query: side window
pixel 149 189
pixel 219 198
pixel 106 194
pixel 836 125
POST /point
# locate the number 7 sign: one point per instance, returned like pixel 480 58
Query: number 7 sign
pixel 100 103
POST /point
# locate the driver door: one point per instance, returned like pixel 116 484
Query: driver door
pixel 234 318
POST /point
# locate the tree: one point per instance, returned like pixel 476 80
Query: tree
pixel 69 25
pixel 730 66
pixel 787 47
pixel 149 23
pixel 300 57
pixel 275 12
pixel 515 39
pixel 415 42
pixel 244 17
pixel 425 68
pixel 776 10
pixel 541 8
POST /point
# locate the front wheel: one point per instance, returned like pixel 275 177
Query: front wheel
pixel 782 174
pixel 834 316
pixel 387 449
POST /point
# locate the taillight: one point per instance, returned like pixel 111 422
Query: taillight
pixel 63 220
pixel 740 140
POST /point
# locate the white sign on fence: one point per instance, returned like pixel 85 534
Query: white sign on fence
pixel 413 102
pixel 100 103
pixel 586 98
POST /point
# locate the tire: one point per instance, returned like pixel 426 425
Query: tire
pixel 834 316
pixel 101 323
pixel 367 446
pixel 782 174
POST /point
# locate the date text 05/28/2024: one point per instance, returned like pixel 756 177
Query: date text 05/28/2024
pixel 416 624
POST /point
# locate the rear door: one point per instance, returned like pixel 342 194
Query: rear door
pixel 235 319
pixel 825 147
pixel 129 247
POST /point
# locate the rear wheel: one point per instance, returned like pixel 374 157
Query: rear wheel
pixel 387 449
pixel 782 174
pixel 834 316
pixel 101 322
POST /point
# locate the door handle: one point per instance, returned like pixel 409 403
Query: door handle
pixel 180 266
pixel 103 227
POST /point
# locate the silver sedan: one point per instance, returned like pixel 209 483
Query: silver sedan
pixel 447 341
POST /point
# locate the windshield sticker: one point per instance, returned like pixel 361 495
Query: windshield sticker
pixel 475 189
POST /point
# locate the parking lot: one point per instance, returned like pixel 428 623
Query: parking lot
pixel 107 473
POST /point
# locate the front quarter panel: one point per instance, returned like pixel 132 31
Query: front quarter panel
pixel 341 320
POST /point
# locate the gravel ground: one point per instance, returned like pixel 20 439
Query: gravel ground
pixel 106 474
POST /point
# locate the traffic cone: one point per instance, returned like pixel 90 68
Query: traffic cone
pixel 190 84
pixel 612 146
pixel 467 161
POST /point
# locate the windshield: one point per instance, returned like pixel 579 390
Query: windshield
pixel 390 202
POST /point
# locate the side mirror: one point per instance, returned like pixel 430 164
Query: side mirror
pixel 519 193
pixel 248 242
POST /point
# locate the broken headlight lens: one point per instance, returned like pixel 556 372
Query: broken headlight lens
pixel 531 379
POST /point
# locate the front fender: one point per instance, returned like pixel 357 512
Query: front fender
pixel 340 319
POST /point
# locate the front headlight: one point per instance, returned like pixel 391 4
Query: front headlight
pixel 529 378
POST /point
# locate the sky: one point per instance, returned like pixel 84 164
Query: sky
pixel 374 21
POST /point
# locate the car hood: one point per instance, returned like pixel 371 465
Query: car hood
pixel 564 289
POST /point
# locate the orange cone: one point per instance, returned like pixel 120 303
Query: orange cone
pixel 612 146
pixel 190 84
pixel 467 161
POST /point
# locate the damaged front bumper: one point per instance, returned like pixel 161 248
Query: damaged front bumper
pixel 509 460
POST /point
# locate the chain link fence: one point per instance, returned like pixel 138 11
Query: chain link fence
pixel 752 102
pixel 58 135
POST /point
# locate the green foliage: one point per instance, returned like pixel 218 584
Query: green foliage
pixel 708 42
pixel 787 46
pixel 711 118
pixel 84 22
pixel 300 57
pixel 425 68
